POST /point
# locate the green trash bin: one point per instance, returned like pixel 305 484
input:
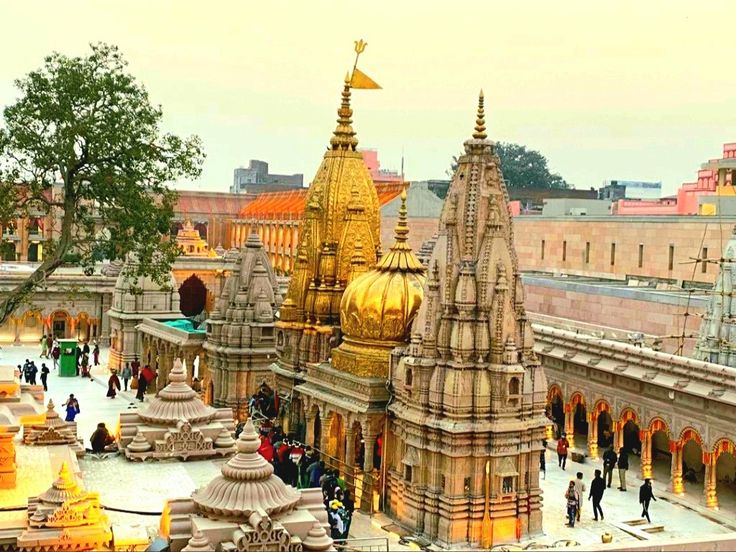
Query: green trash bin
pixel 68 358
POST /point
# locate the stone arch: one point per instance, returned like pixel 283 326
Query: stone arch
pixel 691 434
pixel 629 430
pixel 61 323
pixel 192 296
pixel 601 419
pixel 658 424
pixel 554 391
pixel 577 398
pixel 724 444
pixel 629 414
pixel 201 227
pixel 8 251
pixel 555 410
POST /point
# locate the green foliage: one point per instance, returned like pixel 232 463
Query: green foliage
pixel 523 168
pixel 83 142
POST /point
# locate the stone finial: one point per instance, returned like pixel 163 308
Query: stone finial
pixel 247 484
pixel 317 539
pixel 198 543
pixel 480 121
pixel 63 488
pixel 224 439
pixel 139 443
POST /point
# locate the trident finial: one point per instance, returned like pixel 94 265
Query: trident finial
pixel 480 121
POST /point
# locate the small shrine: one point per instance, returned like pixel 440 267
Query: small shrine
pixel 177 424
pixel 64 517
pixel 247 508
pixel 191 243
pixel 53 431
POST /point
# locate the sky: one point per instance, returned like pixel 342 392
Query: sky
pixel 604 89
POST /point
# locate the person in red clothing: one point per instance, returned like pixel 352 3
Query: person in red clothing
pixel 266 448
pixel 562 445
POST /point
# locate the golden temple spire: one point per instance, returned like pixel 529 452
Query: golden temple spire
pixel 344 135
pixel 480 121
pixel 400 256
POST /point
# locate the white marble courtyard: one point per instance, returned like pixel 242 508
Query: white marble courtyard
pixel 127 487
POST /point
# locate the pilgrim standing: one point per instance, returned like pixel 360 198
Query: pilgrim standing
pixel 113 385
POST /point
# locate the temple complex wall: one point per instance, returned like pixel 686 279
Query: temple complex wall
pixel 615 310
pixel 617 247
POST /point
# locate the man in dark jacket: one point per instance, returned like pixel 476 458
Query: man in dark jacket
pixel 645 495
pixel 609 462
pixel 623 465
pixel 597 487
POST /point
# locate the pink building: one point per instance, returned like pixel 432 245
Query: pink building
pixel 379 175
pixel 714 178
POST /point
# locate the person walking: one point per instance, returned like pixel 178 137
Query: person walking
pixel 44 347
pixel 55 354
pixel 141 392
pixel 573 501
pixel 126 374
pixel 86 369
pixel 623 465
pixel 580 489
pixel 562 445
pixel 597 488
pixel 543 459
pixel 44 374
pixel 113 385
pixel 33 371
pixel 21 373
pixel 646 494
pixel 72 408
pixel 96 354
pixel 609 462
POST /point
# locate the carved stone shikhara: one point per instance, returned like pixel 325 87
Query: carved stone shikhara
pixel 177 424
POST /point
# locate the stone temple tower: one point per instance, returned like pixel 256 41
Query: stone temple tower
pixel 240 341
pixel 718 331
pixel 467 418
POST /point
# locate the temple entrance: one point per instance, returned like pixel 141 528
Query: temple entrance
pixel 631 441
pixel 34 253
pixel 580 425
pixel 336 437
pixel 605 430
pixel 661 456
pixel 61 324
pixel 83 327
pixel 693 470
pixel 556 411
pixel 192 296
pixel 725 468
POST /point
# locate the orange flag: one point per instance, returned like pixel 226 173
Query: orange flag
pixel 361 80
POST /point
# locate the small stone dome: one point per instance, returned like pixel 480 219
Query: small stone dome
pixel 177 401
pixel 380 304
pixel 247 483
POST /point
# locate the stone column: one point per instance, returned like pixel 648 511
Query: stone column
pixel 709 485
pixel 350 455
pixel 646 454
pixel 618 436
pixel 104 332
pixel 569 429
pixel 309 429
pixel 370 442
pixel 593 436
pixel 676 485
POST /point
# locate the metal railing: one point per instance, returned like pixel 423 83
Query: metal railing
pixel 362 544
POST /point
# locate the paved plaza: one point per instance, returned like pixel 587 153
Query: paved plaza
pixel 127 487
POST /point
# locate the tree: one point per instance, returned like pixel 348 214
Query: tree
pixel 83 144
pixel 523 168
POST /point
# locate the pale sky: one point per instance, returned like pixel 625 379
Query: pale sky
pixel 606 90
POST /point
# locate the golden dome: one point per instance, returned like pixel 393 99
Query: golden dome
pixel 380 304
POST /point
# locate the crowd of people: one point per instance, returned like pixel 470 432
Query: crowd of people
pixel 29 371
pixel 300 466
pixel 575 492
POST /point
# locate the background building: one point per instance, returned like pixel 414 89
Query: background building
pixel 630 189
pixel 256 179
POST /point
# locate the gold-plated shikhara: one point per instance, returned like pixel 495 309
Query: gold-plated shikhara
pixel 340 232
pixel 379 306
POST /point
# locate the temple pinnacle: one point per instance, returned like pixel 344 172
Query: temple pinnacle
pixel 402 228
pixel 344 135
pixel 480 121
